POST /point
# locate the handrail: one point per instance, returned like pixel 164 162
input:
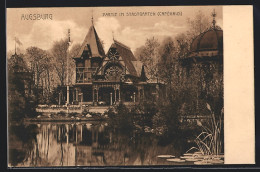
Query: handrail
pixel 86 69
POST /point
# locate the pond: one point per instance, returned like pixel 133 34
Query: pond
pixel 88 144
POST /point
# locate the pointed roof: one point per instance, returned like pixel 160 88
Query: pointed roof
pixel 92 44
pixel 127 56
pixel 143 77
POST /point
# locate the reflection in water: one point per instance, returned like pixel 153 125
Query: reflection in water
pixel 88 144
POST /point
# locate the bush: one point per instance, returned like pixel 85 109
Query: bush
pixel 121 118
pixel 159 123
pixel 144 112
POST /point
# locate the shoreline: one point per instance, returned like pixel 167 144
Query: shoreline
pixel 77 119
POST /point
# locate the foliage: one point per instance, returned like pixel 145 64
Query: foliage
pixel 159 123
pixel 149 55
pixel 211 140
pixel 23 134
pixel 121 118
pixel 183 45
pixel 20 89
pixel 54 96
pixel 167 64
pixel 60 52
pixel 43 76
pixel 138 117
pixel 48 70
pixel 36 80
pixel 144 112
pixel 166 120
pixel 198 24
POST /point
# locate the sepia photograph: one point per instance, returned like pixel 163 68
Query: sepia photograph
pixel 115 86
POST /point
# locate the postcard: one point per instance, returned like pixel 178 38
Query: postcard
pixel 130 86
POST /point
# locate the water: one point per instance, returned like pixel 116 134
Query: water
pixel 87 144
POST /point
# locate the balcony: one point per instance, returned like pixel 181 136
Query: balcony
pixel 84 75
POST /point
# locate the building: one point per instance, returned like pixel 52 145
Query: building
pixel 203 68
pixel 112 77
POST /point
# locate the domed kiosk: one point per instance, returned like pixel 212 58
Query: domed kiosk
pixel 208 45
pixel 203 70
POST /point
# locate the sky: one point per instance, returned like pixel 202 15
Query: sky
pixel 130 30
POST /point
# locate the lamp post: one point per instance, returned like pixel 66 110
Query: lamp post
pixel 59 98
pixel 111 99
pixel 68 89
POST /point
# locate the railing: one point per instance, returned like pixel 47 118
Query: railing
pixel 84 75
pixel 87 69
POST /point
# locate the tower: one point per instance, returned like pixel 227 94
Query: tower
pixel 89 57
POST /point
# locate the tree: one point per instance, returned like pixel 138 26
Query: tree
pixel 149 55
pixel 168 63
pixel 190 78
pixel 197 25
pixel 39 65
pixel 19 85
pixel 60 52
pixel 182 45
pixel 203 83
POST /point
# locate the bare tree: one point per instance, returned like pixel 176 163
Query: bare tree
pixel 39 64
pixel 198 24
pixel 182 45
pixel 60 52
pixel 149 55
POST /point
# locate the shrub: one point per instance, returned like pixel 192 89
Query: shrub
pixel 144 112
pixel 159 123
pixel 210 140
pixel 121 118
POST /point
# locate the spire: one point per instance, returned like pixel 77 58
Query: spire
pixel 143 77
pixel 68 36
pixel 213 14
pixel 92 19
pixel 93 43
pixel 16 41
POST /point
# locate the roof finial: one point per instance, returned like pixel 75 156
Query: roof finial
pixel 213 14
pixel 92 18
pixel 14 45
pixel 113 35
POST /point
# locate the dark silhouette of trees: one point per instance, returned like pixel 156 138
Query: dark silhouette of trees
pixel 39 66
pixel 20 88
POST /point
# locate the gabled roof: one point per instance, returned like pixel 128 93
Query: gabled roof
pixel 127 56
pixel 92 43
pixel 138 67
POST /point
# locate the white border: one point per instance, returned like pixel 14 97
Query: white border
pixel 239 125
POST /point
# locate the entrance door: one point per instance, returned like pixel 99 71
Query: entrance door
pixel 104 95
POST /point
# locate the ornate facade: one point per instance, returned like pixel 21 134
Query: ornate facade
pixel 107 79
